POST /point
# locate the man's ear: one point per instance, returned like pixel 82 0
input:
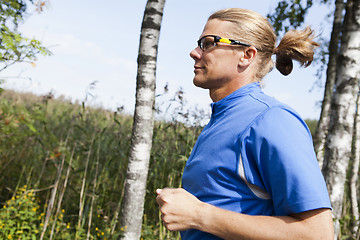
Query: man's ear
pixel 248 56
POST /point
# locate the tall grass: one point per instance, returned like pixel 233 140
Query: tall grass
pixel 73 159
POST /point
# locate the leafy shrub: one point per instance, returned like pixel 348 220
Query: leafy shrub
pixel 19 217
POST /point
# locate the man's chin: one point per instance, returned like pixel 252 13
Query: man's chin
pixel 199 84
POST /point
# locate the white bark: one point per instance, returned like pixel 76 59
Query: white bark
pixel 141 141
pixel 339 139
pixel 355 172
pixel 323 124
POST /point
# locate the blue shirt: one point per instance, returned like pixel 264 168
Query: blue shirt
pixel 255 156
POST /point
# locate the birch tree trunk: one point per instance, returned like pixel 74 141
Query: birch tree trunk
pixel 323 124
pixel 355 171
pixel 343 108
pixel 141 140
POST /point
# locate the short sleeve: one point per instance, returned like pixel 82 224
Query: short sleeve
pixel 280 154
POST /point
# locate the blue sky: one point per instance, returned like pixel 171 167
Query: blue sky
pixel 98 41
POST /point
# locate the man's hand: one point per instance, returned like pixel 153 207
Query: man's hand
pixel 179 209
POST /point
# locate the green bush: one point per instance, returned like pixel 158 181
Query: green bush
pixel 19 217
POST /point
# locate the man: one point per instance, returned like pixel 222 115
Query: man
pixel 252 173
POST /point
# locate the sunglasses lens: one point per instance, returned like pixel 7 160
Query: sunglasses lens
pixel 206 43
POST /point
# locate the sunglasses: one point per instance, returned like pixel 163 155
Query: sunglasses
pixel 209 41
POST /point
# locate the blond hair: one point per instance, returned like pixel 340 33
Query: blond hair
pixel 252 28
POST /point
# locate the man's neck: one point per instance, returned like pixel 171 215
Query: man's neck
pixel 220 93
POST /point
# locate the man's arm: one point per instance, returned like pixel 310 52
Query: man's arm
pixel 181 211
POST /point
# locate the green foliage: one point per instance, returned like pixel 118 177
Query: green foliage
pixel 12 10
pixel 19 218
pixel 14 47
pixel 41 139
pixel 289 13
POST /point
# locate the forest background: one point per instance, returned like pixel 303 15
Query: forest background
pixel 44 168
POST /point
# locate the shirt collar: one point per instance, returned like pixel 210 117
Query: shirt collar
pixel 221 105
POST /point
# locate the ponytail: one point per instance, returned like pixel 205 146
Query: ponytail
pixel 295 45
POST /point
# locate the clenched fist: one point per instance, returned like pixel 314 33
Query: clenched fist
pixel 179 209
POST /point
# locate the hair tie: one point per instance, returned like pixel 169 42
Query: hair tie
pixel 275 51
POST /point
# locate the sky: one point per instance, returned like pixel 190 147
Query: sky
pixel 97 42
